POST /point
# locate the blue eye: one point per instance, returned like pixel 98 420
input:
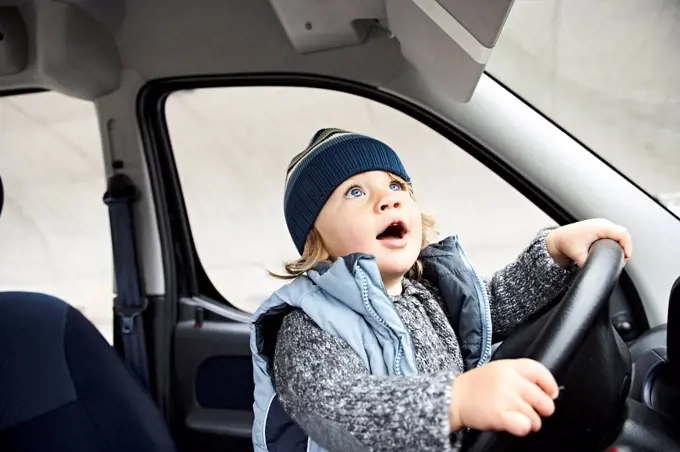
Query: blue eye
pixel 396 186
pixel 354 192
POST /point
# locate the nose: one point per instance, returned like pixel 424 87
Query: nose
pixel 388 202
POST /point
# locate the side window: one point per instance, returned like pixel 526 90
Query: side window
pixel 232 147
pixel 54 229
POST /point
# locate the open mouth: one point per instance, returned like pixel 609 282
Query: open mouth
pixel 395 230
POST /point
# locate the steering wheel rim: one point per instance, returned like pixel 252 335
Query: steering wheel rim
pixel 566 330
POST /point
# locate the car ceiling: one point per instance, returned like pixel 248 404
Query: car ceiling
pixel 80 47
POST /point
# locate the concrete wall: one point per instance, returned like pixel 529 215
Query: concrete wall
pixel 54 229
pixel 242 155
pixel 606 69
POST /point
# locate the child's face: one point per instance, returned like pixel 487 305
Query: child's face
pixel 373 213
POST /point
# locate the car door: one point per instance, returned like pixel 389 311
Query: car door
pixel 217 149
pixel 213 371
pixel 224 190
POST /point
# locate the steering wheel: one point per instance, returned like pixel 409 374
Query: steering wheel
pixel 564 331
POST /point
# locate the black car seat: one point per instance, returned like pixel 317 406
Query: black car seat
pixel 64 388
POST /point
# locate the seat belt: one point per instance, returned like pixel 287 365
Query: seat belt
pixel 129 304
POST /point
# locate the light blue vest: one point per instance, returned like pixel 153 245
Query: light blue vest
pixel 348 300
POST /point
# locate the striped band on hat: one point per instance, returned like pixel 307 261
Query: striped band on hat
pixel 319 138
pixel 331 157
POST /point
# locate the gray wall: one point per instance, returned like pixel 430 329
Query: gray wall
pixel 606 69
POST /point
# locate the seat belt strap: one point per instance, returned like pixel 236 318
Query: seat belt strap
pixel 129 303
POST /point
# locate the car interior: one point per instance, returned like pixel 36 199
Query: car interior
pixel 179 373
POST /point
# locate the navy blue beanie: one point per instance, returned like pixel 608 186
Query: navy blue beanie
pixel 332 156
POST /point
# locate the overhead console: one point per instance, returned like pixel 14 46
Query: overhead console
pixel 448 42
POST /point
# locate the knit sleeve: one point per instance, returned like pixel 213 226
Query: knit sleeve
pixel 526 285
pixel 325 387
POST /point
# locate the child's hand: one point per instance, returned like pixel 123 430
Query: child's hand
pixel 571 243
pixel 504 395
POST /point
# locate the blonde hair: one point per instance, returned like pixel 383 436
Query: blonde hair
pixel 314 251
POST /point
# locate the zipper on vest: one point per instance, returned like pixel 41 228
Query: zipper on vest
pixel 371 311
pixel 486 310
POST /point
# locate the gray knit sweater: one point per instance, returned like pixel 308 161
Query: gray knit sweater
pixel 321 382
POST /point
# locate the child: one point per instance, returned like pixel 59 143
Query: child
pixel 381 341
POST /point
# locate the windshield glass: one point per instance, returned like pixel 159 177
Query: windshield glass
pixel 608 73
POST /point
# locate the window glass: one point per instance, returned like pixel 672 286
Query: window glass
pixel 54 228
pixel 232 147
pixel 608 73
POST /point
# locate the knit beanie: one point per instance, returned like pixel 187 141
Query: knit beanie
pixel 332 156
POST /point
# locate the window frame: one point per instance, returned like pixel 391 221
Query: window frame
pixel 185 275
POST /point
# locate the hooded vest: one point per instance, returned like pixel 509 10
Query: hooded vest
pixel 351 293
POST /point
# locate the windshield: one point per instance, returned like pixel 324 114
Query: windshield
pixel 608 73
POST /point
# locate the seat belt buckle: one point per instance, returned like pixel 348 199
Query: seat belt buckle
pixel 127 313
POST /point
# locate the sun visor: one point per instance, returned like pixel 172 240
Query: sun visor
pixel 13 42
pixel 449 42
